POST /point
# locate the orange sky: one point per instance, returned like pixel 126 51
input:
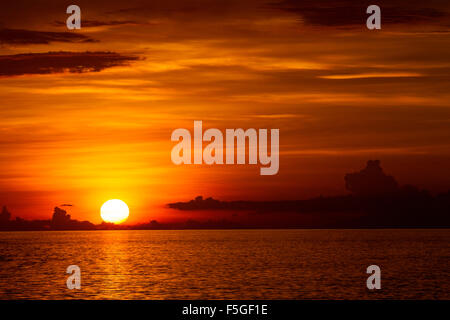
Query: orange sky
pixel 339 93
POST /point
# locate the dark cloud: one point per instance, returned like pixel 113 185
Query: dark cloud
pixel 21 36
pixel 343 13
pixel 98 23
pixel 377 201
pixel 63 221
pixel 300 206
pixel 56 62
pixel 371 180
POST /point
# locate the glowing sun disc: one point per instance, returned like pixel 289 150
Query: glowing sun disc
pixel 115 211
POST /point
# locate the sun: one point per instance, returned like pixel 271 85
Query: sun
pixel 115 211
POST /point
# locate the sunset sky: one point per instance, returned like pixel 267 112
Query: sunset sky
pixel 87 115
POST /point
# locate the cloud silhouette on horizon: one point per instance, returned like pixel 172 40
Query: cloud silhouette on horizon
pixel 63 61
pixel 371 180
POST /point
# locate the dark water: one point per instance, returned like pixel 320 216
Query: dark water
pixel 226 264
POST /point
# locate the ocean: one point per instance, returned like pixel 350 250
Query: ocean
pixel 226 264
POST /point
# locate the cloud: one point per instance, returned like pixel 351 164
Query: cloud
pixel 22 36
pixel 371 75
pixel 344 13
pixel 99 23
pixel 280 206
pixel 56 62
pixel 371 180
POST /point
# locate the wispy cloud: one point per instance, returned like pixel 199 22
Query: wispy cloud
pixel 372 75
pixel 100 23
pixel 22 36
pixel 345 13
pixel 56 62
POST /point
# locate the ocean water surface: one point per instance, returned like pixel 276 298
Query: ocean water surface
pixel 226 264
